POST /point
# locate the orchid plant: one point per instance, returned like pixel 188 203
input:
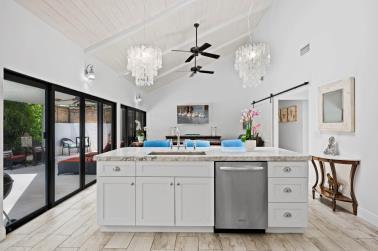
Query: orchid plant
pixel 247 117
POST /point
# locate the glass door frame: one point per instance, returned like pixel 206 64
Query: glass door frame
pixel 49 137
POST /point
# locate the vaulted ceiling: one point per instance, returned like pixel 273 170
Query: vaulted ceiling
pixel 106 29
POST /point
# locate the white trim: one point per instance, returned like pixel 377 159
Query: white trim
pixel 285 230
pixel 138 229
pixel 368 216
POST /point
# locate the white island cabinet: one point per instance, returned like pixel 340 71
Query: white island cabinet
pixel 139 192
pixel 174 195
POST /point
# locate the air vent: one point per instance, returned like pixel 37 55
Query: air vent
pixel 305 50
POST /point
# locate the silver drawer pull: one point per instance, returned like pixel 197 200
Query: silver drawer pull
pixel 171 184
pixel 287 169
pixel 132 183
pixel 178 183
pixel 287 190
pixel 242 168
pixel 287 215
pixel 116 169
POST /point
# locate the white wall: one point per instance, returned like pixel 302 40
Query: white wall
pixel 224 93
pixel 293 135
pixel 343 37
pixel 31 47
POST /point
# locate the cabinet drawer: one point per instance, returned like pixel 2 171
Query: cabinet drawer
pixel 287 214
pixel 287 189
pixel 115 168
pixel 287 169
pixel 175 168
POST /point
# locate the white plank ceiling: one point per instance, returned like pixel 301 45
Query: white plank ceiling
pixel 107 28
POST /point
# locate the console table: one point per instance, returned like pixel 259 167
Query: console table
pixel 334 194
pixel 214 140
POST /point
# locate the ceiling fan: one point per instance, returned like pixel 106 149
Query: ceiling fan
pixel 197 68
pixel 199 50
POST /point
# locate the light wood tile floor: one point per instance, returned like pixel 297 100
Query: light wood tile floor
pixel 71 226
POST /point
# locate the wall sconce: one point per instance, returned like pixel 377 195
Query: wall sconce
pixel 138 98
pixel 89 72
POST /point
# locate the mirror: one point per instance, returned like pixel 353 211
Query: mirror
pixel 333 107
pixel 336 106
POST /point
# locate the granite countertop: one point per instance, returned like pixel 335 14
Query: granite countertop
pixel 212 154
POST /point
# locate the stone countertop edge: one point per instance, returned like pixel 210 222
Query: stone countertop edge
pixel 263 154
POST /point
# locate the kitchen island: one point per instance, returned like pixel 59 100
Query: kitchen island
pixel 162 190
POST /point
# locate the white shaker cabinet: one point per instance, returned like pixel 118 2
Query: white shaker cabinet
pixel 194 200
pixel 116 201
pixel 155 201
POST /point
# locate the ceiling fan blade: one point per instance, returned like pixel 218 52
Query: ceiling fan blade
pixel 182 51
pixel 189 58
pixel 191 75
pixel 210 55
pixel 204 46
pixel 208 72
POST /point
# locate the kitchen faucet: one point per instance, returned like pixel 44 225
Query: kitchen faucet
pixel 178 138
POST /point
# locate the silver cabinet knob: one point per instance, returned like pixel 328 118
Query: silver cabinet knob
pixel 287 190
pixel 287 169
pixel 132 183
pixel 171 184
pixel 116 169
pixel 178 183
pixel 287 215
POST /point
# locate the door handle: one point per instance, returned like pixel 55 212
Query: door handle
pixel 242 168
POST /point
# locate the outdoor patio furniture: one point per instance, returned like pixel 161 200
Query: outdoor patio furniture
pixel 86 143
pixel 38 154
pixel 72 165
pixel 11 159
pixel 7 188
pixel 68 144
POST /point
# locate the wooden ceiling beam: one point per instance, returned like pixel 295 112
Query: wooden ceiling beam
pixel 138 27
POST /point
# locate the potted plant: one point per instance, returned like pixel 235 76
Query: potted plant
pixel 251 129
pixel 139 131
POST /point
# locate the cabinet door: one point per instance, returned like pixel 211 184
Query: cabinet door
pixel 194 201
pixel 116 201
pixel 155 201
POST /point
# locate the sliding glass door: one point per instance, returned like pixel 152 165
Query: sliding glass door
pixel 67 144
pixel 24 150
pixel 130 120
pixel 51 135
pixel 91 139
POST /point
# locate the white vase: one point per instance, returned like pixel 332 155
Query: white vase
pixel 250 145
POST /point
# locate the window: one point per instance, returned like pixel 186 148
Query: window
pixel 131 117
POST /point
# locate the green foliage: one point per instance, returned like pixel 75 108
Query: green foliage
pixel 21 118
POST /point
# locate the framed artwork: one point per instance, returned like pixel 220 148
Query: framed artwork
pixel 283 115
pixel 192 114
pixel 292 115
pixel 336 106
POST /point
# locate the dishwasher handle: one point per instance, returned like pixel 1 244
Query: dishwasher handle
pixel 242 168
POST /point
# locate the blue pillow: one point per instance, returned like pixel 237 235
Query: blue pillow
pixel 232 143
pixel 199 143
pixel 156 143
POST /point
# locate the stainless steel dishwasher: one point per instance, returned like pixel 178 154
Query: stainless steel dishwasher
pixel 241 196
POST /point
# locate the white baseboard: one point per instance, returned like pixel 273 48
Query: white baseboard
pixel 155 229
pixel 368 216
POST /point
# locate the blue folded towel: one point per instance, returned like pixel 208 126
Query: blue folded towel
pixel 232 143
pixel 199 143
pixel 156 143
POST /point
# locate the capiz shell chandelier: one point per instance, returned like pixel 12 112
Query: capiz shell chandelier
pixel 143 62
pixel 251 61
